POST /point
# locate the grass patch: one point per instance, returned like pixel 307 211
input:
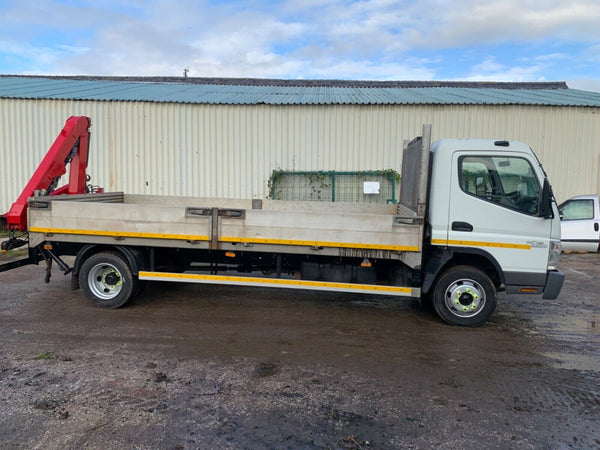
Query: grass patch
pixel 16 253
pixel 44 356
pixel 11 253
pixel 3 229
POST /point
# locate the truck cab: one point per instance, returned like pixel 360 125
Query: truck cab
pixel 491 209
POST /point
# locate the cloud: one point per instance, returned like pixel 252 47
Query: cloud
pixel 243 34
pixel 211 42
pixel 592 53
pixel 491 70
pixel 472 22
pixel 584 84
pixel 38 58
pixel 552 57
pixel 369 70
pixel 373 39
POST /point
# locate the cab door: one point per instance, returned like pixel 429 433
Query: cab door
pixel 494 202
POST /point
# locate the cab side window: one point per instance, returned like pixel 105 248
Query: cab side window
pixel 507 181
pixel 577 210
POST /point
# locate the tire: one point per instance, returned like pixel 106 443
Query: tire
pixel 106 280
pixel 464 296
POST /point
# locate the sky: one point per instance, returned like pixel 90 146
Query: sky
pixel 441 40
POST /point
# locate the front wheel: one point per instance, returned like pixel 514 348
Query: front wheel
pixel 464 296
pixel 106 280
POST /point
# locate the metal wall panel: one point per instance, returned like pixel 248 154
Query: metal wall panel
pixel 231 150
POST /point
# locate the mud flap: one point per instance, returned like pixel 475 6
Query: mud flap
pixel 554 283
pixel 74 282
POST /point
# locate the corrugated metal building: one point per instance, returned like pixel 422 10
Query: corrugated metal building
pixel 224 137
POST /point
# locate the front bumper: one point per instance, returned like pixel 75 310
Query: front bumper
pixel 554 282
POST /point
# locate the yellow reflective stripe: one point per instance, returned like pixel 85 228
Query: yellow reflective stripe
pixel 187 237
pixel 480 244
pixel 274 281
pixel 401 248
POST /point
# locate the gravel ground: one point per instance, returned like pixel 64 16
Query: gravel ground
pixel 188 366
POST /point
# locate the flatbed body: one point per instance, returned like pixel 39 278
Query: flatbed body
pixel 378 231
pixel 337 229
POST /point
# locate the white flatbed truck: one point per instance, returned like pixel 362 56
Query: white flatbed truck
pixel 474 217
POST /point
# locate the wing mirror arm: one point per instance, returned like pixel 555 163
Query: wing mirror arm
pixel 545 202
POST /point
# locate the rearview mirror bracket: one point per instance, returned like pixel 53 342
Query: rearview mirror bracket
pixel 545 202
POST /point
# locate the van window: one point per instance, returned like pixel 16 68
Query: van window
pixel 577 209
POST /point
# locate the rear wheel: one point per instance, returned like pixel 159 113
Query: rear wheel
pixel 464 296
pixel 106 280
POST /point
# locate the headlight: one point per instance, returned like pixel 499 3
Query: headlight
pixel 554 254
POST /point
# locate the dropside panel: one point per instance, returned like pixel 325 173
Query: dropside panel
pixel 201 225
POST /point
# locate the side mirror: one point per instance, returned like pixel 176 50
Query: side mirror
pixel 545 203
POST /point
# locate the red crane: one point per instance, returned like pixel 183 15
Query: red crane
pixel 71 146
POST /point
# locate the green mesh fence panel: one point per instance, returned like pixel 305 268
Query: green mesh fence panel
pixel 379 186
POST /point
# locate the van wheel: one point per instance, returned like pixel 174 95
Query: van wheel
pixel 106 280
pixel 464 296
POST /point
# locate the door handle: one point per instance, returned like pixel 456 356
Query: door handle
pixel 462 226
pixel 596 226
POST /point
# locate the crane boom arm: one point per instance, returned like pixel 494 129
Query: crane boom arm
pixel 71 146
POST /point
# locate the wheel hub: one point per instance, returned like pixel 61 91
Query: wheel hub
pixel 105 281
pixel 465 298
pixel 112 279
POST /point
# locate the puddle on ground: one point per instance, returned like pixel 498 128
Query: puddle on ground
pixel 577 337
pixel 574 362
pixel 582 331
pixel 571 327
